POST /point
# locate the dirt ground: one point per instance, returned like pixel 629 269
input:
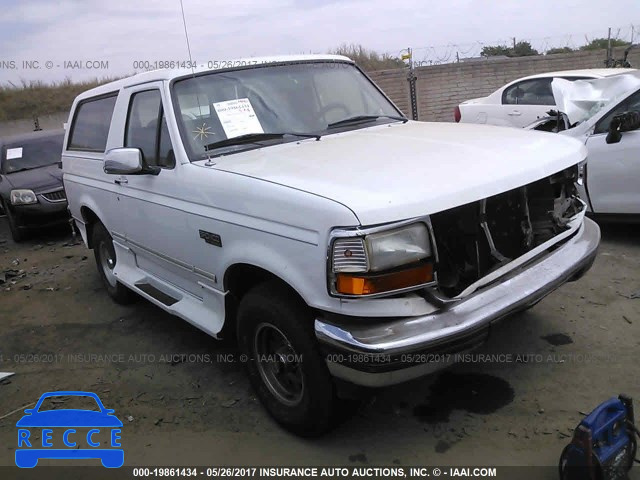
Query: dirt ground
pixel 184 401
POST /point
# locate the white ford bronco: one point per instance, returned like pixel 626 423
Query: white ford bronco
pixel 288 202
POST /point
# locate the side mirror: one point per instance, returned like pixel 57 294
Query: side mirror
pixel 29 411
pixel 127 161
pixel 623 122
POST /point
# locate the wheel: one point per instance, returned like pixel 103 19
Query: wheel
pixel 286 369
pixel 17 233
pixel 106 261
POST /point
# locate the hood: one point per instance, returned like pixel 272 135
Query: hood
pixel 36 179
pixel 399 171
pixel 581 100
pixel 69 418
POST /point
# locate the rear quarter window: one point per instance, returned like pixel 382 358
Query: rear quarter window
pixel 536 91
pixel 91 122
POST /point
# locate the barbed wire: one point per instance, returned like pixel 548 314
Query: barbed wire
pixel 451 52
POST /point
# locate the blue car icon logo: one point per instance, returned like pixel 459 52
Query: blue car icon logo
pixel 78 430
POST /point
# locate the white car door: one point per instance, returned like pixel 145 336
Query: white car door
pixel 526 101
pixel 154 222
pixel 613 170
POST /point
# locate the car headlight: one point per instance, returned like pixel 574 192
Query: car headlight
pixel 23 197
pixel 381 262
pixel 398 247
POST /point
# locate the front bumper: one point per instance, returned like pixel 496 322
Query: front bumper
pixel 375 353
pixel 41 215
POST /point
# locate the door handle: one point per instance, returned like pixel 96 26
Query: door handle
pixel 515 113
pixel 121 180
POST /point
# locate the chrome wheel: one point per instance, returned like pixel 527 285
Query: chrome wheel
pixel 278 364
pixel 108 262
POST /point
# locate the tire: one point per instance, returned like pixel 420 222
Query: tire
pixel 106 260
pixel 299 394
pixel 17 233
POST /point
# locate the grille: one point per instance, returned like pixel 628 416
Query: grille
pixel 55 196
pixel 349 255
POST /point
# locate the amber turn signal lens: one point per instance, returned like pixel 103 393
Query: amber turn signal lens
pixel 361 285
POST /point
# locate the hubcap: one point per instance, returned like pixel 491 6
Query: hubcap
pixel 108 262
pixel 278 364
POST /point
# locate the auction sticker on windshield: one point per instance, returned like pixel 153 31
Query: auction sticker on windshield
pixel 14 153
pixel 237 117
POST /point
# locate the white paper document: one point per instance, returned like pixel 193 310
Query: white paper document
pixel 14 153
pixel 237 117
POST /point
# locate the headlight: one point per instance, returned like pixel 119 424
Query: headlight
pixel 398 247
pixel 381 262
pixel 23 197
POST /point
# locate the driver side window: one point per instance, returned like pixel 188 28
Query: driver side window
pixel 147 129
pixel 627 105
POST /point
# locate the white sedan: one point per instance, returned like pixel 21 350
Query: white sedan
pixel 604 114
pixel 523 101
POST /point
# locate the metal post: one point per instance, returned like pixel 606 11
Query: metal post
pixel 609 49
pixel 413 95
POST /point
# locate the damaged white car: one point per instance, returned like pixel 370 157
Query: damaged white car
pixel 522 101
pixel 288 202
pixel 604 114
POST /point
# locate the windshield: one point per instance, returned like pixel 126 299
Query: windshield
pixel 32 153
pixel 301 98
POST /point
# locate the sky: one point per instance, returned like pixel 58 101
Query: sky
pixel 84 39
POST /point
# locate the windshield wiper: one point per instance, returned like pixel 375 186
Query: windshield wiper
pixel 24 169
pixel 365 118
pixel 255 137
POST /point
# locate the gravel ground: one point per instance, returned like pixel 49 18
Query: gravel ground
pixel 185 401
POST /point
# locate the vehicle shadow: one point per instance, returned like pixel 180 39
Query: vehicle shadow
pixel 55 233
pixel 620 233
pixel 450 404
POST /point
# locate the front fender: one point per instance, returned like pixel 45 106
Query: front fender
pixel 299 265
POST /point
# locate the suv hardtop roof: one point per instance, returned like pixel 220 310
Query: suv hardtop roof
pixel 168 74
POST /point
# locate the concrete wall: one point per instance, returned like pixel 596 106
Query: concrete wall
pixel 47 122
pixel 441 87
pixel 394 83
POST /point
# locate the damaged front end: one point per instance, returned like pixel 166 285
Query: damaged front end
pixel 554 122
pixel 481 241
pixel 492 257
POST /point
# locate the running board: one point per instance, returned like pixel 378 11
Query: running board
pixel 206 310
pixel 152 291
